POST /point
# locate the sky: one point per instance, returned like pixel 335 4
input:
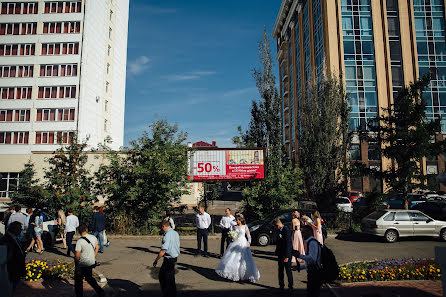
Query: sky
pixel 190 62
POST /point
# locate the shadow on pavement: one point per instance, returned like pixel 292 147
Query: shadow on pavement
pixel 142 249
pixel 193 252
pixel 264 255
pixel 358 237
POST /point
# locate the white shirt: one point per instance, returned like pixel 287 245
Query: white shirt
pixel 227 222
pixel 19 217
pixel 203 221
pixel 72 224
pixel 87 257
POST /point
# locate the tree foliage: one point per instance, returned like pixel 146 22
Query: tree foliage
pixel 148 177
pixel 28 193
pixel 403 134
pixel 325 139
pixel 282 184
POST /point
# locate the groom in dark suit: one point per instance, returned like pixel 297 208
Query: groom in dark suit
pixel 283 252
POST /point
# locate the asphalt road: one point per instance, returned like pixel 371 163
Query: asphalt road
pixel 127 264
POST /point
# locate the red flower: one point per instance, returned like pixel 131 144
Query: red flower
pixel 68 192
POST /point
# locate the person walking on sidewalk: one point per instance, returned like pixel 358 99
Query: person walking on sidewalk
pixel 70 230
pixel 312 262
pixel 98 226
pixel 170 250
pixel 85 260
pixel 18 216
pixel 283 252
pixel 203 221
pixel 226 224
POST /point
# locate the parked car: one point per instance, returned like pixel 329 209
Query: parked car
pixel 436 198
pixel 397 201
pixel 264 233
pixel 344 204
pixel 354 195
pixel 50 226
pixel 393 224
pixel 434 209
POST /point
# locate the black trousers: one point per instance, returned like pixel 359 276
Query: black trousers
pixel 287 267
pixel 224 239
pixel 87 272
pixel 202 234
pixel 314 284
pixel 70 246
pixel 167 278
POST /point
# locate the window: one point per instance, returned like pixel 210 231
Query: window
pixel 108 68
pixel 58 70
pixel 418 217
pixel 63 7
pixel 55 115
pixel 8 183
pixel 106 105
pixel 18 28
pixel 355 152
pixel 61 92
pixel 390 217
pixel 49 49
pixel 107 87
pixel 109 51
pixel 17 49
pixel 110 33
pixel 105 125
pixel 19 8
pixel 61 27
pixel 14 137
pixel 16 93
pixel 111 15
pixel 402 216
pixel 52 137
pixel 16 71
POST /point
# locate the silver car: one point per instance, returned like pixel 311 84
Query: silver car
pixel 395 223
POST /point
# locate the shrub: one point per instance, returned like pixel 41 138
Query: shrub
pixel 37 269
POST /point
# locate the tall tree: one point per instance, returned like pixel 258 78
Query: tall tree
pixel 282 184
pixel 28 192
pixel 146 179
pixel 325 139
pixel 404 135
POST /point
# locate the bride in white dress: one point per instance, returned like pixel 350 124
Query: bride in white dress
pixel 237 263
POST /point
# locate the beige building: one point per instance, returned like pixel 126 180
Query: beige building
pixel 379 46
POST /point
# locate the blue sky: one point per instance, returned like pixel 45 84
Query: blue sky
pixel 190 62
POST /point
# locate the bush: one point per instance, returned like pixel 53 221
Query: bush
pixel 390 270
pixel 37 269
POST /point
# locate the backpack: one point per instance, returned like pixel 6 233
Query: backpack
pixel 329 268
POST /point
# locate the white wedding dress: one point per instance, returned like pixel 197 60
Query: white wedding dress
pixel 237 263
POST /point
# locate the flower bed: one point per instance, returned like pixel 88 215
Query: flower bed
pixel 37 269
pixel 389 270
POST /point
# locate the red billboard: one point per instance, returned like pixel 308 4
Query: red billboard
pixel 226 164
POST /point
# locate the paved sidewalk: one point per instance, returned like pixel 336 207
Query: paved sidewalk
pixel 390 289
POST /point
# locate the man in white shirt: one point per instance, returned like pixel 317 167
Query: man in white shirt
pixel 226 224
pixel 85 260
pixel 18 216
pixel 203 221
pixel 70 230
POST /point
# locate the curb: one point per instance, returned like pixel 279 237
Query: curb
pixel 330 235
pixel 332 290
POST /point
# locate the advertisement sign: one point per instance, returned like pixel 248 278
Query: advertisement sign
pixel 226 164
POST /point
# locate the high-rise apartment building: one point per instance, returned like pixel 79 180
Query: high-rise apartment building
pixel 378 45
pixel 62 71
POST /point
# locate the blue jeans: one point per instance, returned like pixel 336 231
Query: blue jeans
pixel 100 235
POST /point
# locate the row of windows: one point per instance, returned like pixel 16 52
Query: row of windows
pixel 44 114
pixel 17 49
pixel 48 49
pixel 48 28
pixel 59 92
pixel 54 137
pixel 45 71
pixel 9 181
pixel 50 7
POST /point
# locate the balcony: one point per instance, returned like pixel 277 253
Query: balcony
pixel 285 78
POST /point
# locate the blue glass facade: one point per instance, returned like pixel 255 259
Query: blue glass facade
pixel 291 92
pixel 298 78
pixel 318 39
pixel 307 48
pixel 359 59
pixel 431 48
pixel 394 33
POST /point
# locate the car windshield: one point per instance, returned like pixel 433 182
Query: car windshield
pixel 376 215
pixel 342 201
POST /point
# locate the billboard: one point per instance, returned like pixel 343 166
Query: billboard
pixel 226 164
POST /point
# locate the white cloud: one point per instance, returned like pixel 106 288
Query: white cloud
pixel 189 75
pixel 138 66
pixel 238 92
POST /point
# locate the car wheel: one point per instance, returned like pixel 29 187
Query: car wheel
pixel 443 235
pixel 391 236
pixel 263 239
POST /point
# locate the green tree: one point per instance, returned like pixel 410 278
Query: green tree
pixel 283 183
pixel 28 192
pixel 68 183
pixel 325 140
pixel 403 134
pixel 147 178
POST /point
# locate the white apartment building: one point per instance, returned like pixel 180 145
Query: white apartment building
pixel 62 70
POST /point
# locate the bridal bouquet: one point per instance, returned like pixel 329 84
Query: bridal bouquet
pixel 233 235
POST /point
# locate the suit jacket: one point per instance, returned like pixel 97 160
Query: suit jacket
pixel 284 245
pixel 98 222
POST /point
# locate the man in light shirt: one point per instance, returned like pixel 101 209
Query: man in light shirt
pixel 203 221
pixel 226 224
pixel 18 216
pixel 70 231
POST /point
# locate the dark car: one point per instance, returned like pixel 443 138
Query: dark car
pixel 397 201
pixel 263 232
pixel 434 209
